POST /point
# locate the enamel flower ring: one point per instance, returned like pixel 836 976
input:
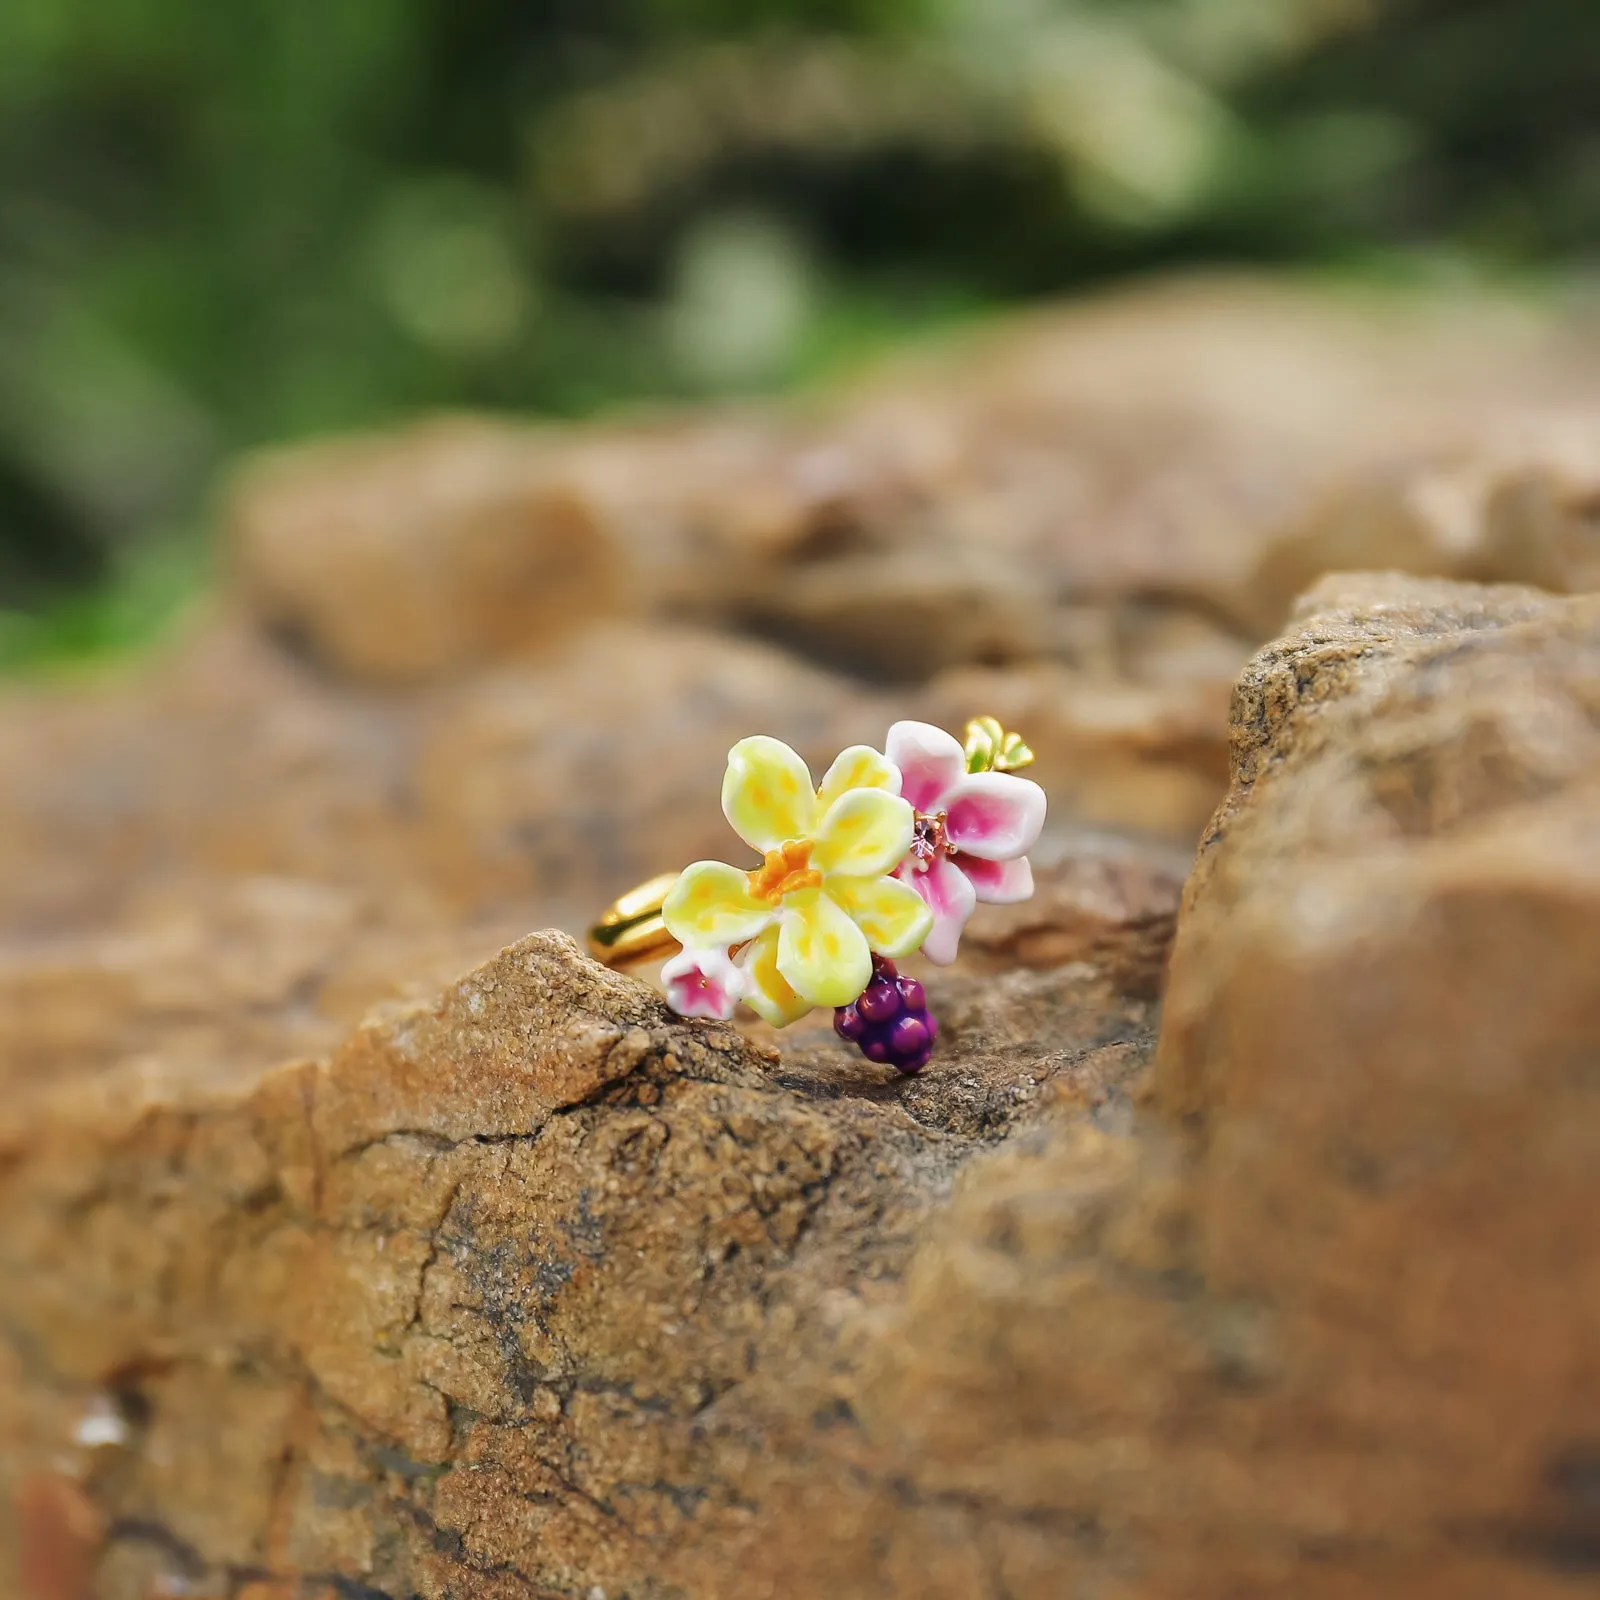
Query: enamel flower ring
pixel 885 857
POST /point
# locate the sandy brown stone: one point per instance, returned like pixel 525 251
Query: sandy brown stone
pixel 329 1271
pixel 1090 515
pixel 1099 899
pixel 1143 755
pixel 226 860
pixel 60 1534
pixel 531 1289
pixel 407 558
pixel 1382 1029
pixel 535 782
pixel 1517 503
pixel 1035 491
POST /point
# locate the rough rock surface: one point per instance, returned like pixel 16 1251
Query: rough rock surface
pixel 1103 486
pixel 316 1283
pixel 1382 1034
pixel 1092 514
pixel 229 858
pixel 528 1289
pixel 455 547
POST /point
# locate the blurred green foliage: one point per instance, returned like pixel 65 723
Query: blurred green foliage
pixel 221 225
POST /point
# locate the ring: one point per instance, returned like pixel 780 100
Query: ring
pixel 885 858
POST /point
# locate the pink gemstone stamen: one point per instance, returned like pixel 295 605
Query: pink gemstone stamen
pixel 929 840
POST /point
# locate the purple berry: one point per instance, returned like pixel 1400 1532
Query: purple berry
pixel 890 1023
pixel 913 1064
pixel 880 1002
pixel 907 1035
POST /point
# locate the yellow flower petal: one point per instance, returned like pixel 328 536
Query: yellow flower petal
pixel 859 767
pixel 766 793
pixel 893 916
pixel 711 904
pixel 821 952
pixel 768 993
pixel 865 833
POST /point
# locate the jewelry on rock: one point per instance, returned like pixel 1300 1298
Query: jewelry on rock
pixel 886 857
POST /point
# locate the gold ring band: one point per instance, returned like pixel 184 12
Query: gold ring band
pixel 631 931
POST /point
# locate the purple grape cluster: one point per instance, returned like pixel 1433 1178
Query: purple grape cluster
pixel 890 1022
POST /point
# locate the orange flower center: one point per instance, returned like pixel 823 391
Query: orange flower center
pixel 783 871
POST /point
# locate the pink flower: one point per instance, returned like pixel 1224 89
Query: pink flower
pixel 703 982
pixel 973 831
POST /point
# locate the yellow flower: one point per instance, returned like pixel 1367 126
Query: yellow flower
pixel 822 900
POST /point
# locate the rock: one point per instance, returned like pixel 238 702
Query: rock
pixel 531 1289
pixel 561 788
pixel 329 1271
pixel 1091 514
pixel 1143 755
pixel 1516 503
pixel 1083 521
pixel 527 1289
pixel 1432 708
pixel 1020 495
pixel 61 1535
pixel 412 557
pixel 229 859
pixel 1381 1030
pixel 1098 899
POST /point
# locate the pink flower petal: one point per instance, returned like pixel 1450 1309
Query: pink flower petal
pixel 995 815
pixel 950 898
pixel 931 763
pixel 703 983
pixel 998 883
